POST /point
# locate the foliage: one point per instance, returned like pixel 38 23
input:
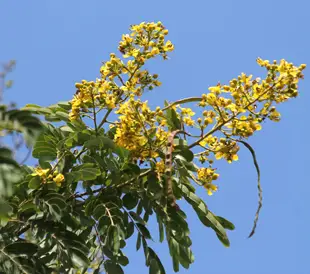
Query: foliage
pixel 13 122
pixel 98 181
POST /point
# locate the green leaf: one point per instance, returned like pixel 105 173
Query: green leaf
pixel 187 154
pixel 210 220
pixel 185 256
pixel 99 143
pixel 112 268
pixel 10 172
pixel 160 228
pixel 172 118
pixel 79 258
pixel 114 240
pixel 37 109
pixel 123 260
pixel 175 262
pixel 224 240
pixel 154 268
pixel 5 208
pixel 65 105
pixel 6 157
pixel 145 232
pixel 179 143
pixel 19 248
pixel 84 173
pixel 56 204
pixel 130 201
pixel 35 182
pixel 138 243
pixel 205 216
pixel 99 211
pixel 121 152
pixel 44 148
pixel 130 229
pixel 225 223
pixel 44 164
pixel 136 217
pixel 62 115
pixel 26 206
pixel 21 121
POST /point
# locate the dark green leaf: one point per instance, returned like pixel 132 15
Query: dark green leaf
pixel 175 262
pixel 112 268
pixel 187 154
pixel 154 268
pixel 138 244
pixel 79 258
pixel 136 217
pixel 19 248
pixel 130 229
pixel 123 260
pixel 225 223
pixel 145 232
pixel 130 201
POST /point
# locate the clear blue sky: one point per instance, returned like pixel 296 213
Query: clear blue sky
pixel 57 43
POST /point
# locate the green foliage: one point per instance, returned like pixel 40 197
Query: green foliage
pixel 59 228
pixel 13 120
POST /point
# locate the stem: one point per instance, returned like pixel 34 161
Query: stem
pixel 94 113
pixel 121 80
pixel 105 117
pixel 109 213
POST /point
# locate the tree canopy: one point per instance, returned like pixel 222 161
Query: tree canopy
pixel 107 162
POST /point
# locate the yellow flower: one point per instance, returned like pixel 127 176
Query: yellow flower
pixel 160 166
pixel 168 46
pixel 187 111
pixel 235 157
pixel 59 179
pixel 262 62
pixel 216 89
pixel 211 99
pixel 41 172
pixel 188 121
pixel 154 51
pixel 210 188
pixel 275 116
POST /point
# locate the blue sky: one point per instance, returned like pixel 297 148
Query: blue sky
pixel 57 43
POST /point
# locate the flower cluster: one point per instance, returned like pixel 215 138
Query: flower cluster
pixel 230 112
pixel 139 129
pixel 207 176
pixel 119 79
pixel 47 177
pixel 146 41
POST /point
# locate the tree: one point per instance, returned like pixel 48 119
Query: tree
pixel 107 163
